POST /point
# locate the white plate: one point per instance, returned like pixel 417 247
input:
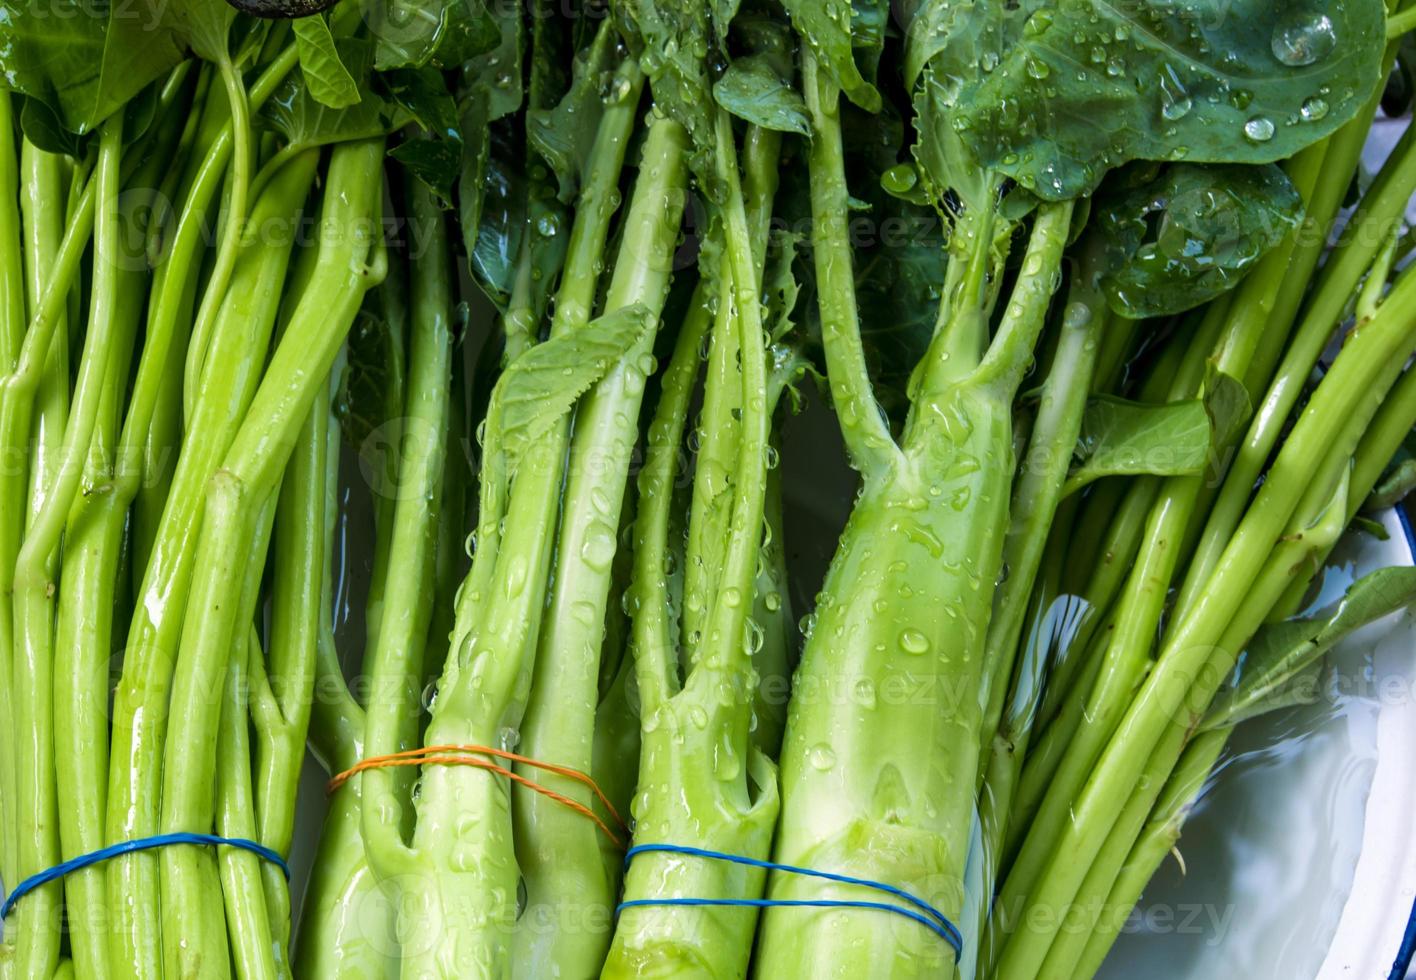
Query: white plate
pixel 1301 857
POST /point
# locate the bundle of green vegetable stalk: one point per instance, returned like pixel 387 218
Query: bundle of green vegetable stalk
pixel 419 382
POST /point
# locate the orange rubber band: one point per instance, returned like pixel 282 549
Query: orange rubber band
pixel 468 755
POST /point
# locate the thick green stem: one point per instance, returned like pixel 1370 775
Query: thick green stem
pixel 350 257
pixel 895 803
pixel 571 873
pixel 141 699
pixel 718 792
pixel 14 467
pixel 461 865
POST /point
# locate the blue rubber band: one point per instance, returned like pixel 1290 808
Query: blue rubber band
pixel 928 916
pixel 128 847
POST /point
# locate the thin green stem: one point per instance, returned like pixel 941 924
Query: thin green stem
pixel 1328 431
pixel 141 701
pixel 868 440
pixel 233 227
pixel 396 650
pixel 1400 23
pixel 253 946
pixel 1037 490
pixel 301 566
pixel 107 339
pixel 654 623
pixel 1381 209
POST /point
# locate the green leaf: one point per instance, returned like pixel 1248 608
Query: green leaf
pixel 751 90
pixel 780 288
pixel 839 33
pixel 1182 236
pixel 1284 651
pixel 521 224
pixel 305 121
pixel 1394 486
pixel 441 33
pixel 423 94
pixel 1227 405
pixel 84 60
pixel 435 162
pixel 326 78
pixel 42 128
pixel 1397 480
pixel 434 156
pixel 1368 526
pixel 371 387
pixel 494 74
pixel 204 24
pixel 671 39
pixel 541 386
pixel 1120 437
pixel 1054 93
pixel 563 134
pixel 548 68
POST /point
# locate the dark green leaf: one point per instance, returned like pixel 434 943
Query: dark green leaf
pixel 1397 480
pixel 1284 651
pixel 1394 486
pixel 492 89
pixel 839 34
pixel 441 33
pixel 42 128
pixel 326 78
pixel 140 113
pixel 84 60
pixel 1121 437
pixel 423 94
pixel 1189 233
pixel 204 24
pixel 548 68
pixel 494 73
pixel 750 89
pixel 1054 93
pixel 563 135
pixel 780 288
pixel 434 156
pixel 435 162
pixel 1371 527
pixel 521 222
